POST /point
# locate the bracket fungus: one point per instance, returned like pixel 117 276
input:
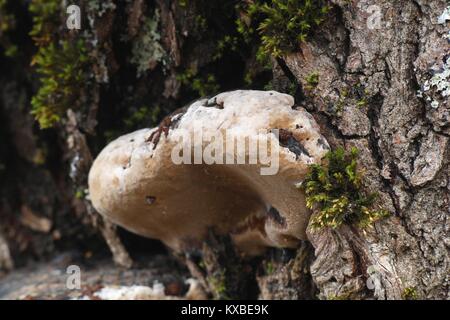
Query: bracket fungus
pixel 231 163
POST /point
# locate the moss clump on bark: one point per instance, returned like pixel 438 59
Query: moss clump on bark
pixel 312 80
pixel 45 19
pixel 202 85
pixel 281 24
pixel 60 64
pixel 409 293
pixel 7 21
pixel 218 286
pixel 344 296
pixel 62 77
pixel 136 117
pixel 7 24
pixel 334 190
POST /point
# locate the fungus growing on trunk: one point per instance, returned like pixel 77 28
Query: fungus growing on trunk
pixel 230 164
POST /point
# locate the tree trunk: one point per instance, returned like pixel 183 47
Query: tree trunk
pixel 403 141
pixel 383 87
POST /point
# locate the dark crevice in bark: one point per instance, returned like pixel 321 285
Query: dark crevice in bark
pixel 418 7
pixel 377 153
pixel 299 93
pixel 387 73
pixel 361 260
pixel 346 43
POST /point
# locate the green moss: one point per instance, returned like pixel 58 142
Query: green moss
pixel 142 116
pixel 7 24
pixel 343 296
pixel 45 18
pixel 312 80
pixel 62 77
pixel 270 268
pixel 227 43
pixel 410 293
pixel 80 194
pixel 147 50
pixel 248 78
pixel 201 23
pixel 111 135
pixel 357 95
pixel 60 64
pixel 218 286
pixel 281 24
pixel 11 51
pixel 269 86
pixel 40 156
pixel 361 103
pixel 202 85
pixel 333 189
pixel 343 95
pixel 362 96
pixel 7 20
pixel 292 89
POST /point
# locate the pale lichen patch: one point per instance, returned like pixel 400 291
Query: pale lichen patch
pixel 147 50
pixel 445 16
pixel 438 84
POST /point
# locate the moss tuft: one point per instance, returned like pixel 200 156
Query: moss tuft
pixel 410 293
pixel 7 21
pixel 143 116
pixel 7 24
pixel 203 86
pixel 183 3
pixel 62 77
pixel 80 194
pixel 333 189
pixel 269 267
pixel 61 65
pixel 281 24
pixel 45 19
pixel 217 283
pixel 312 80
pixel 343 296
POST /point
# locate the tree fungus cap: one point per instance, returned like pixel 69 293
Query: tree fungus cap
pixel 138 182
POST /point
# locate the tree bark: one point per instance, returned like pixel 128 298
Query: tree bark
pixel 403 142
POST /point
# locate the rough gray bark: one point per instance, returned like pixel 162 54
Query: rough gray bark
pixel 404 143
